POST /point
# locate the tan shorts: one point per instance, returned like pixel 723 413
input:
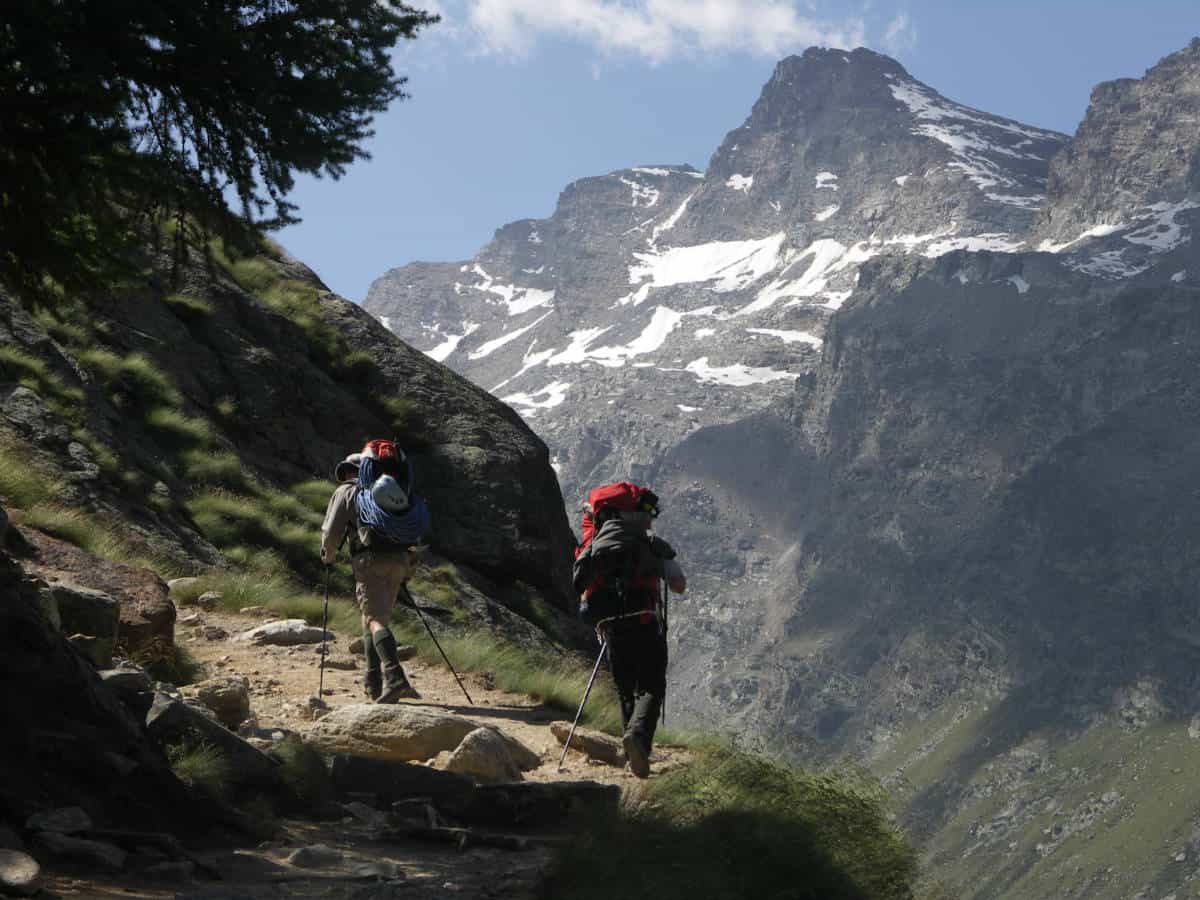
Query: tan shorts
pixel 379 577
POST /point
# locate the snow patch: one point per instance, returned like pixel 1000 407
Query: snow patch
pixel 486 349
pixel 518 300
pixel 641 194
pixel 826 181
pixel 775 205
pixel 683 408
pixel 653 336
pixel 741 183
pixel 827 213
pixel 534 238
pixel 828 256
pixel 450 343
pixel 974 138
pixel 732 265
pixel 552 395
pixel 737 375
pixel 994 242
pixel 538 271
pixel 671 221
pixel 1179 276
pixel 701 333
pixel 386 322
pixel 1163 233
pixel 651 170
pixel 1048 246
pixel 901 179
pixel 789 337
pixel 1019 283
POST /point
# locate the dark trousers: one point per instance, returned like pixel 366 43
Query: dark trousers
pixel 638 656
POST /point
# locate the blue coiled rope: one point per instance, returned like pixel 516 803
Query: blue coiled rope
pixel 404 529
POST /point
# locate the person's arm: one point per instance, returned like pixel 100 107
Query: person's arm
pixel 337 520
pixel 673 572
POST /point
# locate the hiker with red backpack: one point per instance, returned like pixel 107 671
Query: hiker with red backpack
pixel 622 573
pixel 375 508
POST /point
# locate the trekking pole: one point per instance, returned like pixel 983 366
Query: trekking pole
pixel 583 702
pixel 665 598
pixel 324 637
pixel 420 615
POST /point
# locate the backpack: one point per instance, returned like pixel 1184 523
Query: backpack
pixel 618 566
pixel 602 502
pixel 378 528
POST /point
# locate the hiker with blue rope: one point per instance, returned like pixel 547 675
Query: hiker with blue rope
pixel 375 507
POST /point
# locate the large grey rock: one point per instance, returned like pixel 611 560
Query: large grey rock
pixel 227 696
pixel 484 755
pixel 67 820
pixel 283 633
pixel 593 744
pixel 99 854
pixel 394 781
pixel 82 610
pixel 20 875
pixel 315 856
pixel 399 733
pixel 133 687
pixel 146 615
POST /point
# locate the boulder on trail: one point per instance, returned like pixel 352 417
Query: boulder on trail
pixel 401 733
pixel 20 875
pixel 394 781
pixel 147 616
pixel 593 744
pixel 484 755
pixel 283 633
pixel 97 651
pixel 67 820
pixel 226 695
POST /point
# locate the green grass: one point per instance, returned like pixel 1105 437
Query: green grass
pixel 167 661
pixel 134 380
pixel 220 468
pixel 732 825
pixel 179 430
pixel 202 767
pixel 305 773
pixel 66 401
pixel 187 306
pixel 100 537
pixel 24 481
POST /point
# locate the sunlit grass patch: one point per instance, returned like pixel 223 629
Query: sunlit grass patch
pixel 731 825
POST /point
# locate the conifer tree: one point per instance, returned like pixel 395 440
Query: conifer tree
pixel 112 109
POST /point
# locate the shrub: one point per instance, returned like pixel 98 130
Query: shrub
pixel 731 825
pixel 167 661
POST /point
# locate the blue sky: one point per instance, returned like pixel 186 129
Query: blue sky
pixel 513 99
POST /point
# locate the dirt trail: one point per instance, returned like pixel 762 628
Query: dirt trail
pixel 281 682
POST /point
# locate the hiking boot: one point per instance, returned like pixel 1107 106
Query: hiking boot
pixel 373 683
pixel 638 756
pixel 396 686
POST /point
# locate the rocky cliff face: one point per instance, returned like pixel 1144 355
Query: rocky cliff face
pixel 238 379
pixel 916 383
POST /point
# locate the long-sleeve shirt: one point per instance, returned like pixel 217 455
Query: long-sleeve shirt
pixel 339 516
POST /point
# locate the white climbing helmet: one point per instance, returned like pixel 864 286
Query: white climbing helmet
pixel 389 495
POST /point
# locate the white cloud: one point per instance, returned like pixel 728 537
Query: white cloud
pixel 658 30
pixel 900 35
